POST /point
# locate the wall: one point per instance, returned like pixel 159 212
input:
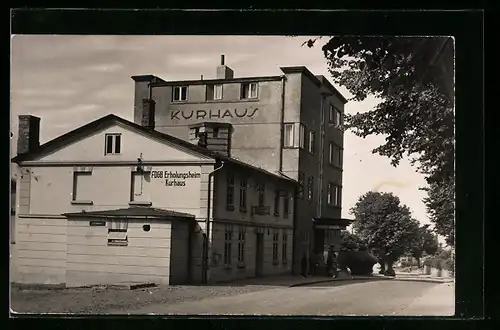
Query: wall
pixel 219 272
pixel 254 133
pixel 179 261
pixel 133 144
pixel 109 187
pixel 249 223
pixel 40 250
pixel 91 261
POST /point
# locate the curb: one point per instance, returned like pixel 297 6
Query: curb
pixel 374 278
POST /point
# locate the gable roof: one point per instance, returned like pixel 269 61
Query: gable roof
pixel 109 120
pixel 131 212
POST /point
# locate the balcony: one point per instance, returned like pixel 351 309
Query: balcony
pixel 261 210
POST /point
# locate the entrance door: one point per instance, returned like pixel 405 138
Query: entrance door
pixel 259 254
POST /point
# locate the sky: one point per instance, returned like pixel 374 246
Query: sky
pixel 69 81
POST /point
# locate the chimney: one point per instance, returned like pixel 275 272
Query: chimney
pixel 213 136
pixel 29 134
pixel 223 71
pixel 148 114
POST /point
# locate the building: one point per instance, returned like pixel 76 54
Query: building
pixel 116 201
pixel 291 124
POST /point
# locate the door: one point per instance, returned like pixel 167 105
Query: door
pixel 259 254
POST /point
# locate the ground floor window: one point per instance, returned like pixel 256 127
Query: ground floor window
pixel 284 248
pixel 117 232
pixel 241 246
pixel 228 240
pixel 276 237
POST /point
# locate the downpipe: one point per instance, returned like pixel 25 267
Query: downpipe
pixel 206 265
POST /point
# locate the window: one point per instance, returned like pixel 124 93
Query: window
pixel 337 121
pixel 302 136
pixel 331 114
pixel 310 188
pixel 117 232
pixel 286 206
pixel 338 157
pixel 335 155
pixel 330 153
pixel 301 184
pixel 215 132
pixel 83 186
pixel 284 257
pixel 276 237
pixel 249 90
pixel 330 194
pixel 241 245
pixel 140 187
pixel 262 194
pixel 243 194
pixel 230 192
pixel 337 192
pixel 180 93
pixel 289 135
pixel 311 142
pixel 228 240
pixel 214 92
pixel 113 144
pixel 276 202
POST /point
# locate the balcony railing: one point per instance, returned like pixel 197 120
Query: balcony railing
pixel 261 210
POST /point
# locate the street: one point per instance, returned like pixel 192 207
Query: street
pixel 386 298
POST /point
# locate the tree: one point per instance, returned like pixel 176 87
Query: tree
pixel 351 242
pixel 425 242
pixel 413 78
pixel 441 208
pixel 386 226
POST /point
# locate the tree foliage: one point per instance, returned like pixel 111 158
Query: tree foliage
pixel 351 242
pixel 425 242
pixel 385 224
pixel 413 78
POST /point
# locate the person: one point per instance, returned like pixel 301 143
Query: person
pixel 304 265
pixel 313 264
pixel 329 262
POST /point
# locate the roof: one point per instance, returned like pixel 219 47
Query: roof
pixel 332 221
pixel 318 80
pixel 161 82
pixel 111 119
pixel 132 212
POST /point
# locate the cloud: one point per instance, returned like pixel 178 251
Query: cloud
pixel 105 67
pixel 54 77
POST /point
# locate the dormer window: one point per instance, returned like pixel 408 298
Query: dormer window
pixel 249 90
pixel 113 144
pixel 180 93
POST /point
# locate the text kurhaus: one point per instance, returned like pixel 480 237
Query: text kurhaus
pixel 210 114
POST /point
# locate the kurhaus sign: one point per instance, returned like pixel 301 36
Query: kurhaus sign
pixel 175 179
pixel 213 113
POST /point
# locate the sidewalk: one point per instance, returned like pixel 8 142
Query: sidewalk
pixel 438 301
pixel 294 281
pixel 402 276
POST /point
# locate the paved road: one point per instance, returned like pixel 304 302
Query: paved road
pixel 367 298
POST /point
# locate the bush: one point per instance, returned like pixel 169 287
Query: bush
pixel 440 263
pixel 359 262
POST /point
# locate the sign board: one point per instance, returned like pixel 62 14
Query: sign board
pixel 175 179
pixel 330 227
pixel 95 223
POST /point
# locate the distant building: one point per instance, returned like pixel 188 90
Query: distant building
pixel 116 201
pixel 291 124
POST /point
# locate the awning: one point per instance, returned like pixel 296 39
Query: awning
pixel 331 223
pixel 132 213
